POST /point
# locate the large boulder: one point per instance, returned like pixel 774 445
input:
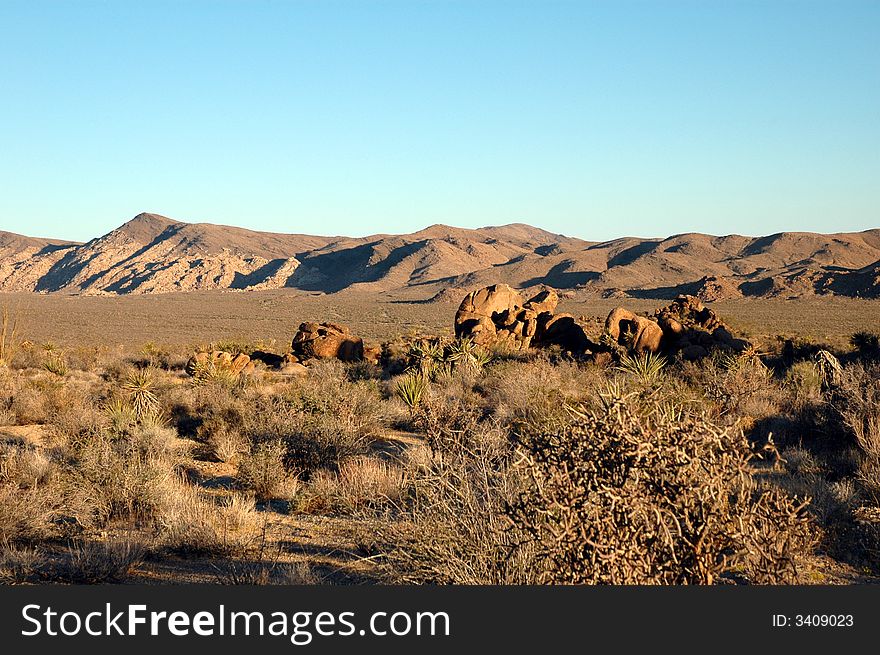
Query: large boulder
pixel 327 341
pixel 694 330
pixel 563 330
pixel 219 360
pixel 543 303
pixel 497 314
pixel 637 333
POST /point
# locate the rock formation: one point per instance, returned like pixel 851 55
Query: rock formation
pixel 219 360
pixel 685 327
pixel 327 341
pixel 636 333
pixel 498 315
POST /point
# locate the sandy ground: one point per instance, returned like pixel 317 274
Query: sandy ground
pixel 184 320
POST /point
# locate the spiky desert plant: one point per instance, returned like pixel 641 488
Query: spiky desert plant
pixel 410 389
pixel 647 367
pixel 8 330
pixel 467 352
pixel 56 364
pixel 138 386
pixel 211 372
pixel 121 414
pixel 425 356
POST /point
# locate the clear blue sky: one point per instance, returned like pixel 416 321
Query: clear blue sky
pixel 592 119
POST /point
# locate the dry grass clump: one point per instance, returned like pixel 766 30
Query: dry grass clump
pixel 18 565
pixel 194 526
pixel 24 467
pixel 266 573
pixel 24 515
pixel 101 562
pixel 321 420
pixel 804 380
pixel 263 472
pixel 226 445
pixel 739 386
pixel 537 390
pixel 452 529
pixel 128 476
pixel 858 404
pixel 361 483
pixel 633 495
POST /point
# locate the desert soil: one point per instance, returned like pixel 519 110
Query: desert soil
pixel 185 320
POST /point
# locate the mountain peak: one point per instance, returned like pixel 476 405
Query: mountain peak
pixel 146 226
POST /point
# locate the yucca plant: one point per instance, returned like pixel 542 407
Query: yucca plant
pixel 138 386
pixel 56 364
pixel 411 388
pixel 647 367
pixel 211 372
pixel 466 351
pixel 425 356
pixel 121 414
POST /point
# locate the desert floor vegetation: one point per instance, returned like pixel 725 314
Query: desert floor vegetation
pixel 443 463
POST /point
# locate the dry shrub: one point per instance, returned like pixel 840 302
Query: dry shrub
pixel 636 495
pixel 196 526
pixel 737 386
pixel 362 483
pixel 448 419
pixel 266 573
pixel 263 472
pixel 321 420
pixel 127 477
pixel 226 445
pixel 857 400
pixel 100 562
pixel 83 359
pixel 804 381
pixel 537 390
pixel 451 530
pixel 18 565
pixel 23 466
pixel 207 410
pixel 24 515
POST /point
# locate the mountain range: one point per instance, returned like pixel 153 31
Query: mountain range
pixel 155 254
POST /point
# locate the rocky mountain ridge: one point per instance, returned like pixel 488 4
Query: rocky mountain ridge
pixel 155 254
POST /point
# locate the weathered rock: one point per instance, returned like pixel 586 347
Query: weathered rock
pixel 372 353
pixel 294 368
pixel 498 315
pixel 219 359
pixel 638 333
pixel 271 360
pixel 691 328
pixel 602 358
pixel 563 330
pixel 327 341
pixel 543 303
pixel 671 328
